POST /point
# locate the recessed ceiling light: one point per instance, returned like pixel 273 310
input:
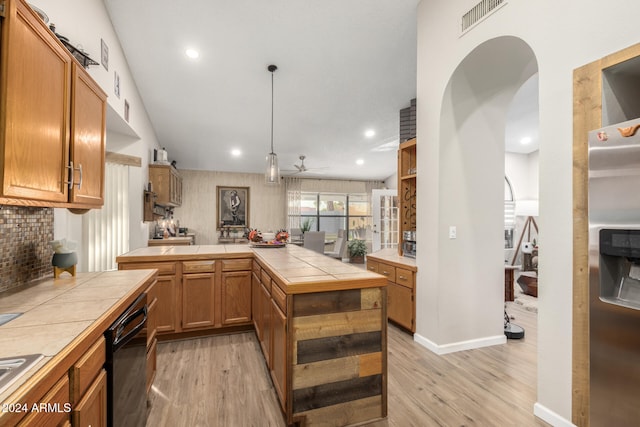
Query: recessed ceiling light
pixel 236 153
pixel 360 162
pixel 370 133
pixel 192 53
pixel 526 140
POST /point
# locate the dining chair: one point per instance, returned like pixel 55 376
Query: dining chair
pixel 338 248
pixel 314 240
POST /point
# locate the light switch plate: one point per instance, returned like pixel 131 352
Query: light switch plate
pixel 453 232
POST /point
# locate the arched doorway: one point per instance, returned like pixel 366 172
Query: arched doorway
pixel 464 290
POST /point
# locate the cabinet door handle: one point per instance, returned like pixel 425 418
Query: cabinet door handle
pixel 70 183
pixel 80 180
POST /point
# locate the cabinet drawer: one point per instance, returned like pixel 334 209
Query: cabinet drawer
pixel 198 266
pixel 164 268
pixel 405 278
pixel 388 271
pixel 372 266
pixel 57 396
pixel 256 267
pixel 86 369
pixel 266 280
pixel 236 264
pixel 279 297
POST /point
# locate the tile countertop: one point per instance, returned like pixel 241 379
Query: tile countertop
pixel 297 270
pixel 391 256
pixel 58 313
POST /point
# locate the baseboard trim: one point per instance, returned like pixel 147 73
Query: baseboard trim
pixel 550 417
pixel 459 346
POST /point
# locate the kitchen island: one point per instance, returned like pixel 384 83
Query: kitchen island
pixel 321 323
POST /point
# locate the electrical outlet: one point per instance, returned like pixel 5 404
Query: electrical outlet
pixel 453 232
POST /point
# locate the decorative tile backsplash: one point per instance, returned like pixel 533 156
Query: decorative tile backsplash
pixel 25 255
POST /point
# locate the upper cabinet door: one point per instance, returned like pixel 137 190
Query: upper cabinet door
pixel 88 139
pixel 35 78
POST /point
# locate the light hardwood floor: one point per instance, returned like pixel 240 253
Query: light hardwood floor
pixel 222 381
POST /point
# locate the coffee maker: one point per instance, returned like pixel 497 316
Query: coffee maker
pixel 409 244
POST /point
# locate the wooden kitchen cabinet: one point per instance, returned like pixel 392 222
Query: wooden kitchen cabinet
pixel 407 188
pixel 198 300
pixel 256 295
pixel 166 292
pixel 92 409
pixel 399 303
pixel 151 332
pixel 58 396
pixel 236 297
pixel 52 118
pixel 89 387
pixel 401 286
pixel 167 184
pixel 88 139
pixel 265 308
pixel 279 352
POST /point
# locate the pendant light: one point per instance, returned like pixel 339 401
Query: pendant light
pixel 272 175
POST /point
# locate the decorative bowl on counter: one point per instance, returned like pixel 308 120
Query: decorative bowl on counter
pixel 270 244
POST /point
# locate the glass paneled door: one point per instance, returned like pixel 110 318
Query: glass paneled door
pixel 385 219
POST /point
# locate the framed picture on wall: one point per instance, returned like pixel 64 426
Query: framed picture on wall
pixel 233 207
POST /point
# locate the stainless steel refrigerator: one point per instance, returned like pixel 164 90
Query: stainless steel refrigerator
pixel 614 275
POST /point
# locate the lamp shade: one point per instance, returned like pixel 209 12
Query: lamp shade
pixel 272 174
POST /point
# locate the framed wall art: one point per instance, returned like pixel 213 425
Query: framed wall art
pixel 233 207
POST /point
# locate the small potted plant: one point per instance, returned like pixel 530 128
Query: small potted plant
pixel 357 251
pixel 306 225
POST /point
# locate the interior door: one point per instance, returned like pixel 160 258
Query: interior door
pixel 385 219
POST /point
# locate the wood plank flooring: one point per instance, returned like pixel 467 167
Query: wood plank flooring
pixel 223 381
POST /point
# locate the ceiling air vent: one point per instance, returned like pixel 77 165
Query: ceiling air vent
pixel 479 11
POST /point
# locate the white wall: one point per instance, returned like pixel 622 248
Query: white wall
pixel 522 171
pixel 85 23
pixel 563 36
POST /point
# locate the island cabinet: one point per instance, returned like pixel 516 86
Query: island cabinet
pixel 165 293
pixel 321 325
pixel 52 118
pixel 236 291
pixel 199 294
pixel 271 330
pixel 198 299
pixel 401 285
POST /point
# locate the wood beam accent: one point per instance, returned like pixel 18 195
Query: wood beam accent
pixel 587 116
pixel 123 159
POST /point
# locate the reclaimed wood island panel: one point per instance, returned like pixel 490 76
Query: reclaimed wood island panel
pixel 321 325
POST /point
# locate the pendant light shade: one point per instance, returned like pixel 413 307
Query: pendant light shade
pixel 272 174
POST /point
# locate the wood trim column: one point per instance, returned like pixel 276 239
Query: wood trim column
pixel 587 116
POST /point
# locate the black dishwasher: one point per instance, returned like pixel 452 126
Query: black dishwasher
pixel 126 367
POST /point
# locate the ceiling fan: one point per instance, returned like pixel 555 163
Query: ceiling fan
pixel 302 167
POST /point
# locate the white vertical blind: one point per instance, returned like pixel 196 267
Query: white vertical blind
pixel 106 231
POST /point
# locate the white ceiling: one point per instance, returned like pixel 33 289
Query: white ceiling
pixel 343 67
